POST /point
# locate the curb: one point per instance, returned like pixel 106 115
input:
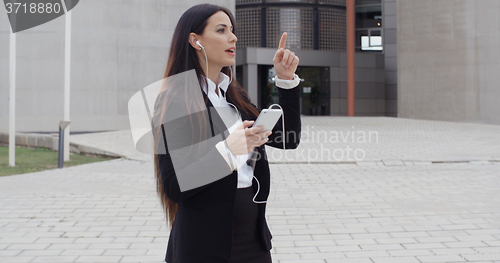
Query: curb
pixel 51 142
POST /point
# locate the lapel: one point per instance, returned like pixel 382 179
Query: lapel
pixel 244 116
pixel 219 126
pixel 253 159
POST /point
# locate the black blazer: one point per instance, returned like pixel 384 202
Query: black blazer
pixel 202 229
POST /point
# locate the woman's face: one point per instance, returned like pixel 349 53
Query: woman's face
pixel 217 39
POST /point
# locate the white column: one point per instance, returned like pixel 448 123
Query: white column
pixel 12 100
pixel 67 81
pixel 251 79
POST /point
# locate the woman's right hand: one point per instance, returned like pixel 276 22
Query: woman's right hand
pixel 243 141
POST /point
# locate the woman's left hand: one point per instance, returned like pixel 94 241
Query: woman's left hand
pixel 285 61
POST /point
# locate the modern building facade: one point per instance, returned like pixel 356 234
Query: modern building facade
pixel 317 34
pixel 416 59
pixel 449 60
pixel 118 48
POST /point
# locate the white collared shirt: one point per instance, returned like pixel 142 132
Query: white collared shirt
pixel 245 172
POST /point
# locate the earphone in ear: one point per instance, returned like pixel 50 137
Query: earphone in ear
pixel 198 42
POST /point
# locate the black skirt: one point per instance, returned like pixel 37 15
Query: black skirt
pixel 247 247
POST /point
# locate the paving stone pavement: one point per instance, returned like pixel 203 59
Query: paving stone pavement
pixel 395 141
pixel 391 140
pixel 386 210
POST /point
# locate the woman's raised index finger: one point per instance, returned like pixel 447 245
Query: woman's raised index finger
pixel 282 40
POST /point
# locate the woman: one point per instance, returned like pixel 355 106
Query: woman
pixel 224 220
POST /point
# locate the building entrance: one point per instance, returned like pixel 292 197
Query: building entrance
pixel 315 89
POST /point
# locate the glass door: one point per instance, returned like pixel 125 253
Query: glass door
pixel 315 89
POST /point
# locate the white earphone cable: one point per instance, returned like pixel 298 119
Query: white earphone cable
pixel 283 126
pixel 239 115
pixel 205 58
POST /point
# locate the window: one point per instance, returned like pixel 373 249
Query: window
pixel 248 27
pixel 371 40
pixel 369 25
pixel 310 24
pixel 332 33
pixel 297 22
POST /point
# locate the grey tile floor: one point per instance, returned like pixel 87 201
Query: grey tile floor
pixel 427 191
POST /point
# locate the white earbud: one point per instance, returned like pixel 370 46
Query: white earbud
pixel 198 42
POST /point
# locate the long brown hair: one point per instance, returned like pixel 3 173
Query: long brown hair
pixel 182 58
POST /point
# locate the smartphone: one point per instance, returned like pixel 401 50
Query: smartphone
pixel 268 118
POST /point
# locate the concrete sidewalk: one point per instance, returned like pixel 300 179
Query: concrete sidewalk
pixel 370 139
pixel 427 191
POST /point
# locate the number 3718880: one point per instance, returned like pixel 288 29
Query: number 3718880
pixel 33 8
